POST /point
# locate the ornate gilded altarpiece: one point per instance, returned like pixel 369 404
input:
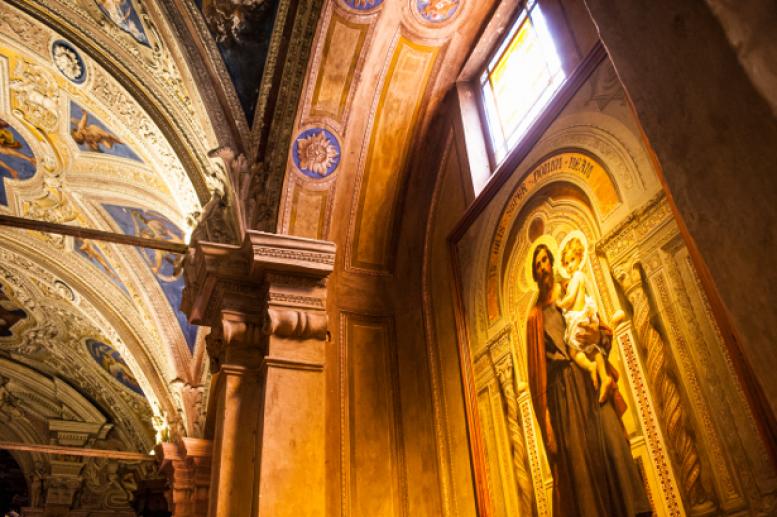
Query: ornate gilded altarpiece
pixel 688 423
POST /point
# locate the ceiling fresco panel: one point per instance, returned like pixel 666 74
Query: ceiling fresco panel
pixel 242 31
pixel 112 363
pixel 124 15
pixel 398 107
pixel 92 135
pixel 17 160
pixel 153 225
pixel 342 48
pixel 92 252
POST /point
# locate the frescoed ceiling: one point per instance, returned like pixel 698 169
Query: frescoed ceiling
pixel 99 129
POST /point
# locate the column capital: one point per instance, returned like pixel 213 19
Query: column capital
pixel 224 277
pixel 269 285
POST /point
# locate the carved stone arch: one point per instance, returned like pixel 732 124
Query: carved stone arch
pixel 89 306
pixel 92 305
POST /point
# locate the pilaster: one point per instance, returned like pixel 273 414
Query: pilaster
pixel 187 469
pixel 265 303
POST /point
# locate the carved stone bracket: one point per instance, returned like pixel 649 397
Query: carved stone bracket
pixel 270 285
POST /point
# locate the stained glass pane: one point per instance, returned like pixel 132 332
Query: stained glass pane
pixel 522 78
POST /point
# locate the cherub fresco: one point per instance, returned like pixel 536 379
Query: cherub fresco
pixel 92 135
pixel 93 254
pixel 16 158
pixel 153 225
pixel 148 226
pixel 111 361
pixel 10 314
pixel 123 14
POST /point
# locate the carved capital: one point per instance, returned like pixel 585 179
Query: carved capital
pixel 271 285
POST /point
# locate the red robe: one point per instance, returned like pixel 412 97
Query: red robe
pixel 538 373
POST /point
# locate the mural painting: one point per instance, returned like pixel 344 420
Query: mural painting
pixel 91 135
pixel 574 390
pixel 89 250
pixel 123 14
pixel 111 361
pixel 242 30
pixel 10 314
pixel 153 225
pixel 16 158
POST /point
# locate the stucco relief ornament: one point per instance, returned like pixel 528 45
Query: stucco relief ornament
pixel 36 95
pixel 437 11
pixel 68 61
pixel 316 153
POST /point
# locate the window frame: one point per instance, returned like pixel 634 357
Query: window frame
pixel 498 49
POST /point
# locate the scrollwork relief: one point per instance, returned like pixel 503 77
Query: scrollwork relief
pixel 296 324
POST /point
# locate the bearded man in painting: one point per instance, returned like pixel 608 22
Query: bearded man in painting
pixel 588 450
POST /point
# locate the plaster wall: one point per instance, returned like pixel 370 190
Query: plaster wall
pixel 714 136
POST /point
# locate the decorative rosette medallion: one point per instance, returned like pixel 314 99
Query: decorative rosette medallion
pixel 363 5
pixel 68 61
pixel 316 152
pixel 437 11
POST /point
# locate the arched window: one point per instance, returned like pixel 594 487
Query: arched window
pixel 519 80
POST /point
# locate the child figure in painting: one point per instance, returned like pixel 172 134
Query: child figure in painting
pixel 580 309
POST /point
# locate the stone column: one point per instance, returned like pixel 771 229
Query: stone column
pixel 180 485
pixel 187 469
pixel 265 304
pixel 198 453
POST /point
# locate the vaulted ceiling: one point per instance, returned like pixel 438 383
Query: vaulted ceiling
pixel 110 115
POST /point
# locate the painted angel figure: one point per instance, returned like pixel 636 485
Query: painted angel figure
pixel 579 309
pixel 92 135
pixel 10 146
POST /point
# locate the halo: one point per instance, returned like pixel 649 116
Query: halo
pixel 574 234
pixel 552 245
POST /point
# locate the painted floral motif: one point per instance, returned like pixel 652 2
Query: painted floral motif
pixel 437 11
pixel 363 5
pixel 111 361
pixel 68 61
pixel 316 152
